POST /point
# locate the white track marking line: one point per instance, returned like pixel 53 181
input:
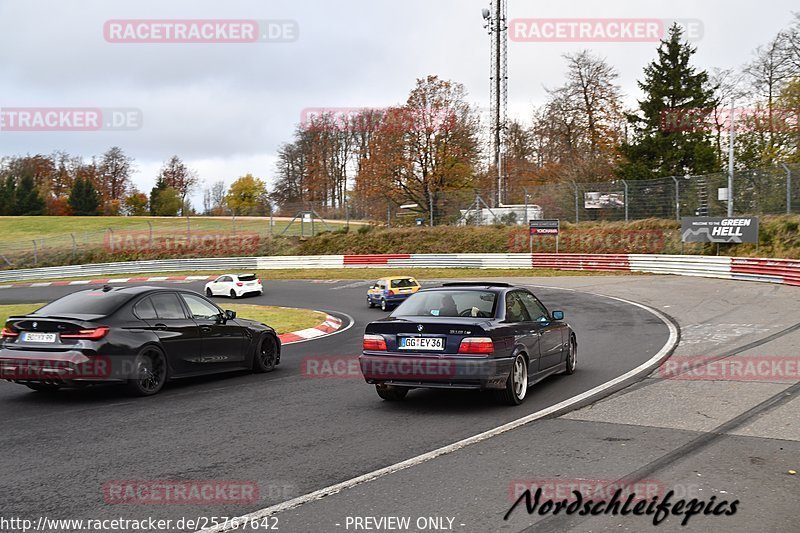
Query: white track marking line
pixel 450 448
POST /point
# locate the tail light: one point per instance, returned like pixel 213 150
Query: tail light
pixel 391 293
pixel 476 345
pixel 240 284
pixel 88 334
pixel 259 281
pixel 9 333
pixel 375 343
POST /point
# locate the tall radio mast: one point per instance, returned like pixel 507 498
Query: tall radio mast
pixel 496 18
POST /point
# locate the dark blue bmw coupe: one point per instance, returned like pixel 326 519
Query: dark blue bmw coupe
pixel 468 335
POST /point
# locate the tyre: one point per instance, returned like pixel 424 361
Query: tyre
pixel 384 305
pixel 572 358
pixel 150 371
pixel 266 357
pixel 233 294
pixel 43 387
pixel 517 383
pixel 370 303
pixel 209 293
pixel 390 393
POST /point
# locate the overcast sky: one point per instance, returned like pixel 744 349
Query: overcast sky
pixel 226 108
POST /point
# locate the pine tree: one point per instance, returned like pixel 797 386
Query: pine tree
pixel 29 201
pixel 154 192
pixel 8 196
pixel 672 87
pixel 83 198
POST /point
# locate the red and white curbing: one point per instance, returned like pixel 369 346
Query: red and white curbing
pixel 108 281
pixel 331 325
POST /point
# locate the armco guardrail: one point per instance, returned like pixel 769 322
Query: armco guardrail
pixel 784 271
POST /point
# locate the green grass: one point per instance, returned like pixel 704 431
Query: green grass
pixel 365 274
pixel 282 319
pixel 23 229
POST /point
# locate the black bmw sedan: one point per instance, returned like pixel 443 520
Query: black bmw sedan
pixel 140 336
pixel 468 335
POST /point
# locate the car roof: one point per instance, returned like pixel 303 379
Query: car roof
pixel 471 287
pixel 133 290
pixel 396 277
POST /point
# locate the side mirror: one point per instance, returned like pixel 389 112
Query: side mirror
pixel 558 315
pixel 230 315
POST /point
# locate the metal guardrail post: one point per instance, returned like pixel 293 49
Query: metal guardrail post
pixel 677 199
pixel 577 217
pixel 625 184
pixel 788 188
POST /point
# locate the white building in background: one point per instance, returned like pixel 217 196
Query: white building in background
pixel 518 214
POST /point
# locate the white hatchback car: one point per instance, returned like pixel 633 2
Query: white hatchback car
pixel 234 285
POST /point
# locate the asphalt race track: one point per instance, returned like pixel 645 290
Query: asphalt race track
pixel 289 433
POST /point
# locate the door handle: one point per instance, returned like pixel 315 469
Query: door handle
pixel 161 327
pixel 205 329
pixel 536 332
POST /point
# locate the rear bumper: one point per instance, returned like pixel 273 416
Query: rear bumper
pixel 64 367
pixel 435 371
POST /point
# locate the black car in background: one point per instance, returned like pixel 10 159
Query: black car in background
pixel 141 336
pixel 468 336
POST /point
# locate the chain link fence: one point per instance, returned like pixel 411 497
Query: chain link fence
pixel 772 191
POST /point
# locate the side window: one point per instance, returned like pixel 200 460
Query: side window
pixel 535 308
pixel 145 310
pixel 200 308
pixel 515 309
pixel 168 306
pixel 225 279
pixel 382 285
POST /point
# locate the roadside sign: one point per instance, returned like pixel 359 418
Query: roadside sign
pixel 722 230
pixel 544 227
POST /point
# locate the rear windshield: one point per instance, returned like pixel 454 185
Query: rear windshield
pixel 403 283
pixel 449 303
pixel 247 277
pixel 95 302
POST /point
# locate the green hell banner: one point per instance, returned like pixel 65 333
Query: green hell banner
pixel 723 230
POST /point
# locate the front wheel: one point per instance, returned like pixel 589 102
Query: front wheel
pixel 390 393
pixel 209 293
pixel 572 358
pixel 517 383
pixel 150 373
pixel 370 303
pixel 267 356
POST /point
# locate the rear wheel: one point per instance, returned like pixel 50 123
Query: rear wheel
pixel 384 305
pixel 370 303
pixel 233 294
pixel 572 358
pixel 267 356
pixel 150 373
pixel 391 393
pixel 517 383
pixel 43 387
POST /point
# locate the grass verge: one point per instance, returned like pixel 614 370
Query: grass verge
pixel 282 319
pixel 362 273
